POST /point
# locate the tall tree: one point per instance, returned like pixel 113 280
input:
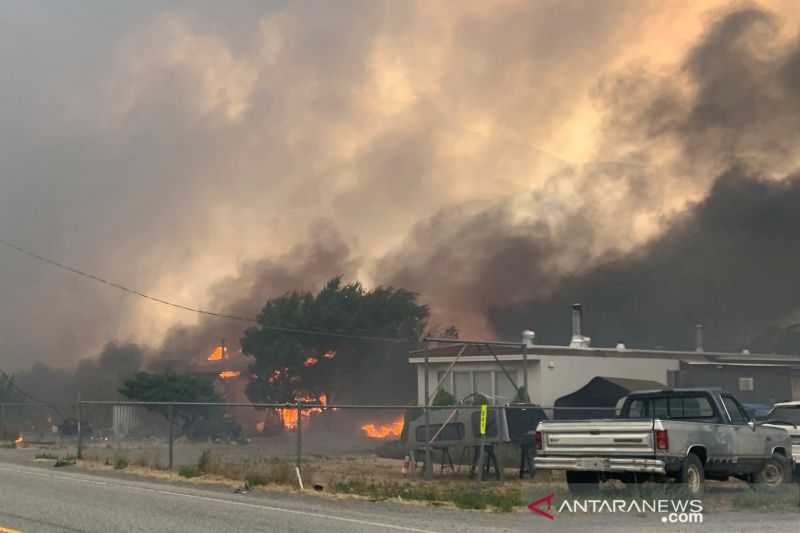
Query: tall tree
pixel 288 365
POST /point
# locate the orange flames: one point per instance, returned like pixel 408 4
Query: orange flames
pixel 384 431
pixel 218 354
pixel 312 360
pixel 19 440
pixel 227 374
pixel 289 416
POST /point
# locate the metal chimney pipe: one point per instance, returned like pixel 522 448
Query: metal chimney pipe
pixel 578 340
pixel 577 318
pixel 698 338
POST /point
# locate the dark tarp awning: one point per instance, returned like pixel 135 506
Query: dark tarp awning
pixel 598 398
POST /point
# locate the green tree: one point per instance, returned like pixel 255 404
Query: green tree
pixel 290 364
pixel 8 391
pixel 146 387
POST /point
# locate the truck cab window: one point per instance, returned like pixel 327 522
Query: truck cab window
pixel 737 414
pixel 638 409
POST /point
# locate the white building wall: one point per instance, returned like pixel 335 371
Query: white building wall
pixel 563 375
pixel 549 378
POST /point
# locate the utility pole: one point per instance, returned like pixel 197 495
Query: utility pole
pixel 428 475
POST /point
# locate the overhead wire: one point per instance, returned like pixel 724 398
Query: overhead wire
pixel 197 310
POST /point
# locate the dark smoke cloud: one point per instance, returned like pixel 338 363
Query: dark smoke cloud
pixel 727 259
pixel 55 390
pixel 729 263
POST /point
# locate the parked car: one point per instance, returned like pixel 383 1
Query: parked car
pixel 786 415
pixel 683 434
pixel 757 411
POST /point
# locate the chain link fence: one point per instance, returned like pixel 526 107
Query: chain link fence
pixel 33 422
pixel 234 438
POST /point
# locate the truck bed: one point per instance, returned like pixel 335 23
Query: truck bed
pixel 607 437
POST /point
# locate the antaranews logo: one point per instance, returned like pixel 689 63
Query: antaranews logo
pixel 671 511
pixel 536 506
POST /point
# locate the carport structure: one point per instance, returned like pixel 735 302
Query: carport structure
pixel 464 346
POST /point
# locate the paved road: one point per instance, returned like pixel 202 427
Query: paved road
pixel 41 499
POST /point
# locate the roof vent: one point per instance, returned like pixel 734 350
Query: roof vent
pixel 698 338
pixel 578 340
pixel 527 338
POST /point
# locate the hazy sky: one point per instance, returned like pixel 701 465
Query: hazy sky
pixel 216 154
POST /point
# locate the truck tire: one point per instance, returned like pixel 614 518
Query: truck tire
pixel 692 476
pixel 774 473
pixel 580 483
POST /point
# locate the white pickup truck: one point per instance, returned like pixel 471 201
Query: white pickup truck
pixel 683 434
pixel 786 415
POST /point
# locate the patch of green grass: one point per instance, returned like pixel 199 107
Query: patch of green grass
pixel 8 445
pixel 255 479
pixel 782 498
pixel 189 471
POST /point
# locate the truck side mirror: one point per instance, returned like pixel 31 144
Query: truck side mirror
pixel 751 424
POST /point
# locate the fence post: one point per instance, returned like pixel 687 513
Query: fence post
pixel 2 421
pixel 299 437
pixel 80 427
pixel 171 432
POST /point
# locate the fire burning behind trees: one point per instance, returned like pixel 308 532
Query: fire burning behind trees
pixel 288 417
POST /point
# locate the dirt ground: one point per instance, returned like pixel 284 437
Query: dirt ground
pixel 356 462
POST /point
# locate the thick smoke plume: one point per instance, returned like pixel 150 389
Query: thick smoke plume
pixel 503 159
pixel 724 257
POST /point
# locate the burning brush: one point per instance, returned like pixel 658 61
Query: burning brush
pixel 392 430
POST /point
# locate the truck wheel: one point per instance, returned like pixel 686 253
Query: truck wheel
pixel 692 476
pixel 773 473
pixel 583 482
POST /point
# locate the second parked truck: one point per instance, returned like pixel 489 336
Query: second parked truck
pixel 688 435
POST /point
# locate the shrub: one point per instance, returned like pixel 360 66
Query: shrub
pixel 255 479
pixel 189 471
pixel 121 463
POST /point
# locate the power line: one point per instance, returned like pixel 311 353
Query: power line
pixel 10 380
pixel 192 309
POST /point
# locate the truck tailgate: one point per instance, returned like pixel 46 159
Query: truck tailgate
pixel 598 437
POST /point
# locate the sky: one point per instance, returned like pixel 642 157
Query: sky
pixel 503 158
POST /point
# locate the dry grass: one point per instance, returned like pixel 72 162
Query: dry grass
pixel 377 478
